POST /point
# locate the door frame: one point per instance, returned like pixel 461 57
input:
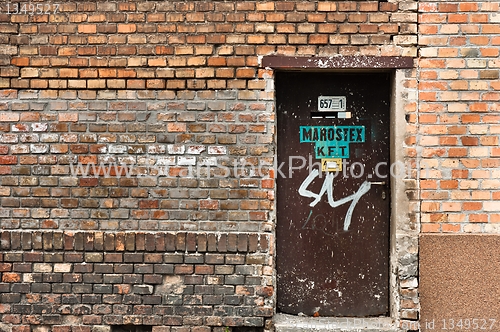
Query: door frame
pixel 404 226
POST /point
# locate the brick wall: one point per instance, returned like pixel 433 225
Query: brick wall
pixel 458 141
pixel 148 83
pixel 459 120
pixel 150 90
pixel 87 47
pixel 172 279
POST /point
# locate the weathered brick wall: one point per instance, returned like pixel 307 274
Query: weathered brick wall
pixel 148 87
pixel 459 115
pixel 71 96
pixel 194 45
pixel 69 279
pixel 150 146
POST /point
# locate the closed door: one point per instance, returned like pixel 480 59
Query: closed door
pixel 333 201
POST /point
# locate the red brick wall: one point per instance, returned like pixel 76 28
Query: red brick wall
pixel 103 82
pixel 159 83
pixel 459 116
pixel 458 141
pixel 89 46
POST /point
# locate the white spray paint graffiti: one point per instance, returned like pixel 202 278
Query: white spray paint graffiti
pixel 328 187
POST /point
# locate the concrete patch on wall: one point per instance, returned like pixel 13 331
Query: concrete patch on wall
pixel 459 285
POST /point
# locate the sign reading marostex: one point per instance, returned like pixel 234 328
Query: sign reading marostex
pixel 332 141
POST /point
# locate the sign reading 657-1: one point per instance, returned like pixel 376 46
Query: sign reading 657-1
pixel 331 103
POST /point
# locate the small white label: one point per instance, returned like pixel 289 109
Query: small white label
pixel 331 103
pixel 331 164
pixel 344 115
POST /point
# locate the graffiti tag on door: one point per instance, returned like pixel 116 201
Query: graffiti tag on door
pixel 328 188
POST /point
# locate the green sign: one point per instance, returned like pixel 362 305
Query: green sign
pixel 332 141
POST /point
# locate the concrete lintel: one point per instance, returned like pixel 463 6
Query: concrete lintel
pixel 337 62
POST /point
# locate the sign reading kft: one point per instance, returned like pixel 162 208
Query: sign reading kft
pixel 332 141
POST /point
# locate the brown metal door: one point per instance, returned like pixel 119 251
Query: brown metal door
pixel 333 230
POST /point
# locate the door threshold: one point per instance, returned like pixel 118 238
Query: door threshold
pixel 291 323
